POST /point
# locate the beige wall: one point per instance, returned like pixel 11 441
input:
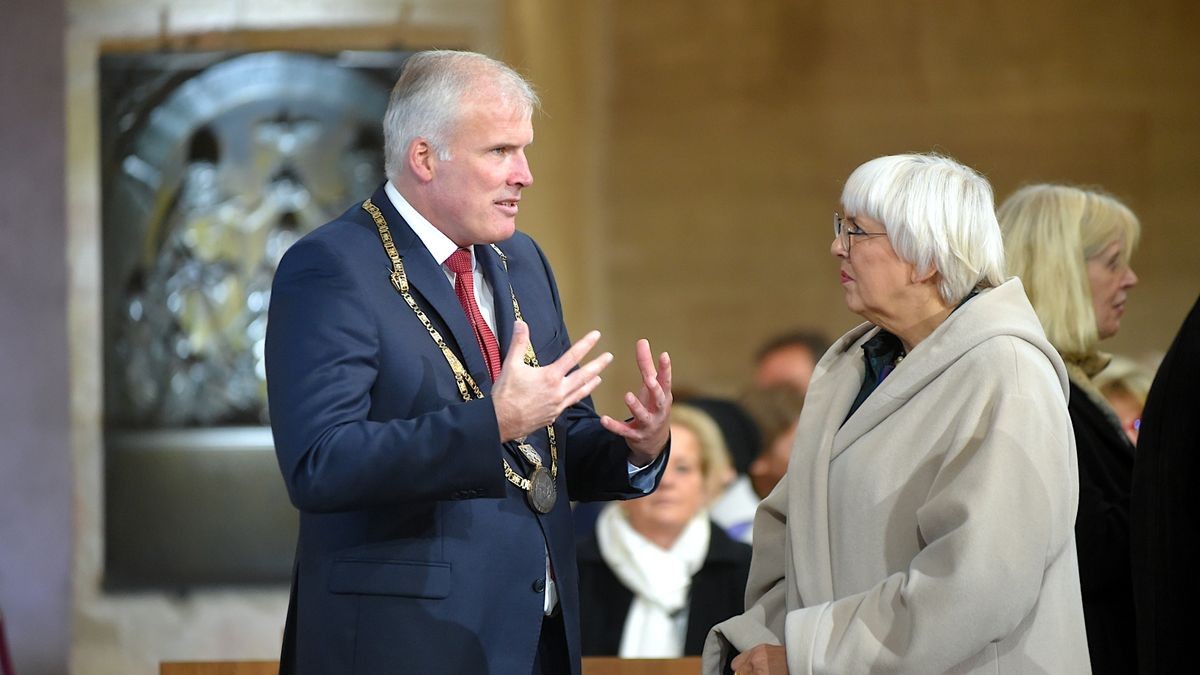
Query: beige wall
pixel 729 127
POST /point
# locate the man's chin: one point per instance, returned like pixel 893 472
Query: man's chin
pixel 505 233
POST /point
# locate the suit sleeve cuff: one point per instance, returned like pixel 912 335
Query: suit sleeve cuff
pixel 644 478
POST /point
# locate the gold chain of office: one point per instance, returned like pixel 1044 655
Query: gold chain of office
pixel 467 388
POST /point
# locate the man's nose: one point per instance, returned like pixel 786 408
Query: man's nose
pixel 521 175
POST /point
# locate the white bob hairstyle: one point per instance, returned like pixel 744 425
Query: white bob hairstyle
pixel 429 97
pixel 938 214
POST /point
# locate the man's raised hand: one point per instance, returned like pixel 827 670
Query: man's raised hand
pixel 648 429
pixel 528 398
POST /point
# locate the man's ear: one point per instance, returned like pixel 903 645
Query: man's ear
pixel 422 159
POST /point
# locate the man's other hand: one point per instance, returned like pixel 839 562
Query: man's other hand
pixel 647 430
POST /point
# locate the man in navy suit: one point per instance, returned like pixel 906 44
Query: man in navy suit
pixel 431 415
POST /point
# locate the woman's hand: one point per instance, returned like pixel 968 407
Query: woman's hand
pixel 761 660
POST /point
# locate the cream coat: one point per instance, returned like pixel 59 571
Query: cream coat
pixel 933 531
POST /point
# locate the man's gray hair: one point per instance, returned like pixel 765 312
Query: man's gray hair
pixel 938 213
pixel 431 92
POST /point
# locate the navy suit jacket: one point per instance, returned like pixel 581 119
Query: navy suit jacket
pixel 414 553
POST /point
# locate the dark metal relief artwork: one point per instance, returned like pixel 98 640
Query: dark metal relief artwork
pixel 214 164
pixel 210 186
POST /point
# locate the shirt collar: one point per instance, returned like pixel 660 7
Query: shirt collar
pixel 439 245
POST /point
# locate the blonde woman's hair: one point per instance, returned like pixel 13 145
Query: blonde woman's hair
pixel 715 466
pixel 1050 232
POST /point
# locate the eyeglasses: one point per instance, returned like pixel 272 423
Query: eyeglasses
pixel 845 229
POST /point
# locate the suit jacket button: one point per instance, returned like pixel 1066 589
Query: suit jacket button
pixel 539 586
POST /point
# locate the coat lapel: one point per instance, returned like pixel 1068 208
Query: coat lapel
pixel 434 293
pixel 889 396
pixel 817 440
pixel 499 280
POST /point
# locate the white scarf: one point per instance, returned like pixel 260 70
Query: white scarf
pixel 660 579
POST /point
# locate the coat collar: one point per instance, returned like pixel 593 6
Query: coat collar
pixel 995 312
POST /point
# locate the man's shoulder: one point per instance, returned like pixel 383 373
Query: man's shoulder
pixel 350 230
pixel 354 222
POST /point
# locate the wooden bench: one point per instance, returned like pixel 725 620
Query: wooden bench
pixel 592 665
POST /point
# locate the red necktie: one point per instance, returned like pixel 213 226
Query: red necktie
pixel 460 263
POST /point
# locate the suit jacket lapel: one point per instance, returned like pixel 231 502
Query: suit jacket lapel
pixel 428 283
pixel 499 280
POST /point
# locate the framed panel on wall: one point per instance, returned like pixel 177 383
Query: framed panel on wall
pixel 213 165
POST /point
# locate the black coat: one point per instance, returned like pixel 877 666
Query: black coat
pixel 1166 512
pixel 718 592
pixel 1102 535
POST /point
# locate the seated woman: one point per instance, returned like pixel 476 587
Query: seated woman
pixel 1071 247
pixel 658 573
pixel 924 524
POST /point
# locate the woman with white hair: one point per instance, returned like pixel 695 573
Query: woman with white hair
pixel 925 521
pixel 1071 247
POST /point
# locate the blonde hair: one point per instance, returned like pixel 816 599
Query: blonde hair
pixel 938 214
pixel 1124 376
pixel 1050 232
pixel 715 466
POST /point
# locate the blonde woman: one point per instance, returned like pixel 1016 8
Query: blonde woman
pixel 1071 247
pixel 658 573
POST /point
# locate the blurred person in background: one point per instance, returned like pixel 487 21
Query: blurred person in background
pixel 658 573
pixel 925 521
pixel 1071 248
pixel 775 411
pixel 738 428
pixel 1125 384
pixel 789 359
